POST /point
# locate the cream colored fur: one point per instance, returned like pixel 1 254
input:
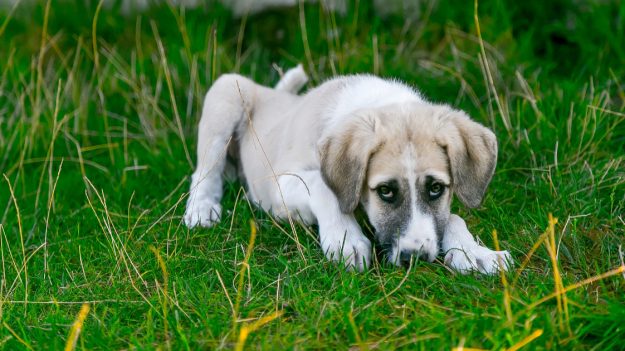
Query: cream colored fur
pixel 317 156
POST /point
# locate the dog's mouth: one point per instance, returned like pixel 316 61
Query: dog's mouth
pixel 405 258
pixel 388 252
pixel 387 247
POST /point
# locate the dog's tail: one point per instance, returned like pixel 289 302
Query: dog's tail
pixel 293 80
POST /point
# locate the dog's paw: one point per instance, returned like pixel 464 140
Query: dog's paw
pixel 202 212
pixel 353 249
pixel 479 259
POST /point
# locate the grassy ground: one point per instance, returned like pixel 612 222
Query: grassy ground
pixel 97 133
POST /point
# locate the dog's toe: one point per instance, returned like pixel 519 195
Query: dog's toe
pixel 360 255
pixel 481 259
pixel 501 260
pixel 461 261
pixel 202 213
pixel 491 262
pixel 354 252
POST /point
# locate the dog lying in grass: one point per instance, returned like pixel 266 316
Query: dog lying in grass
pixel 354 140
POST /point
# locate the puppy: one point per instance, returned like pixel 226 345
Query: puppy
pixel 353 140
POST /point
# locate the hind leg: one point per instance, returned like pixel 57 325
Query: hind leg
pixel 225 112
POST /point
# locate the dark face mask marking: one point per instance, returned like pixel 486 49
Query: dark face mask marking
pixel 394 217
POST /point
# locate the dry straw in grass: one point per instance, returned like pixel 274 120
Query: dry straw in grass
pixel 76 328
pixel 248 328
pixel 548 238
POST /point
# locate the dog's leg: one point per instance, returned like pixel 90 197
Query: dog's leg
pixel 225 107
pixel 340 236
pixel 464 254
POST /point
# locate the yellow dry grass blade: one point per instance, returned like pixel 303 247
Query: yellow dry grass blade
pixel 561 300
pixel 249 328
pixel 514 347
pixel 504 282
pixel 244 266
pixel 76 328
pixel 615 271
pixel 163 267
pixel 526 340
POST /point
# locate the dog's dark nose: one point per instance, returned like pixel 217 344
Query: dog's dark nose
pixel 406 255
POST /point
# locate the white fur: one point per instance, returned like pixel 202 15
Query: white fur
pixel 368 92
pixel 293 80
pixel 464 254
pixel 340 235
pixel 420 237
pixel 277 134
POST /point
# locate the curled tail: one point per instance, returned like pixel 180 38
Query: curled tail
pixel 293 80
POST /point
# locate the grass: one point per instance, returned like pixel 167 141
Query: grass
pixel 98 116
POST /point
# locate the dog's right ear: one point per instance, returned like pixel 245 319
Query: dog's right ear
pixel 344 155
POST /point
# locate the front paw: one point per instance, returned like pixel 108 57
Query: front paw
pixel 353 249
pixel 202 212
pixel 479 259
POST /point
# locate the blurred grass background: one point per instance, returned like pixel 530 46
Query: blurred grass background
pixel 98 115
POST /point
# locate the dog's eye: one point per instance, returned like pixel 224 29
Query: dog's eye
pixel 386 193
pixel 436 190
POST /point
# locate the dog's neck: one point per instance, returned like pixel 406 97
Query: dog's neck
pixel 361 92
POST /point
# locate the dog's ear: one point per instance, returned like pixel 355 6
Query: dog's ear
pixel 344 155
pixel 472 152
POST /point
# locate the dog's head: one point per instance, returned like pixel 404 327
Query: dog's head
pixel 403 162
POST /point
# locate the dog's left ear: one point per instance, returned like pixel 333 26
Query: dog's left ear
pixel 472 152
pixel 344 155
